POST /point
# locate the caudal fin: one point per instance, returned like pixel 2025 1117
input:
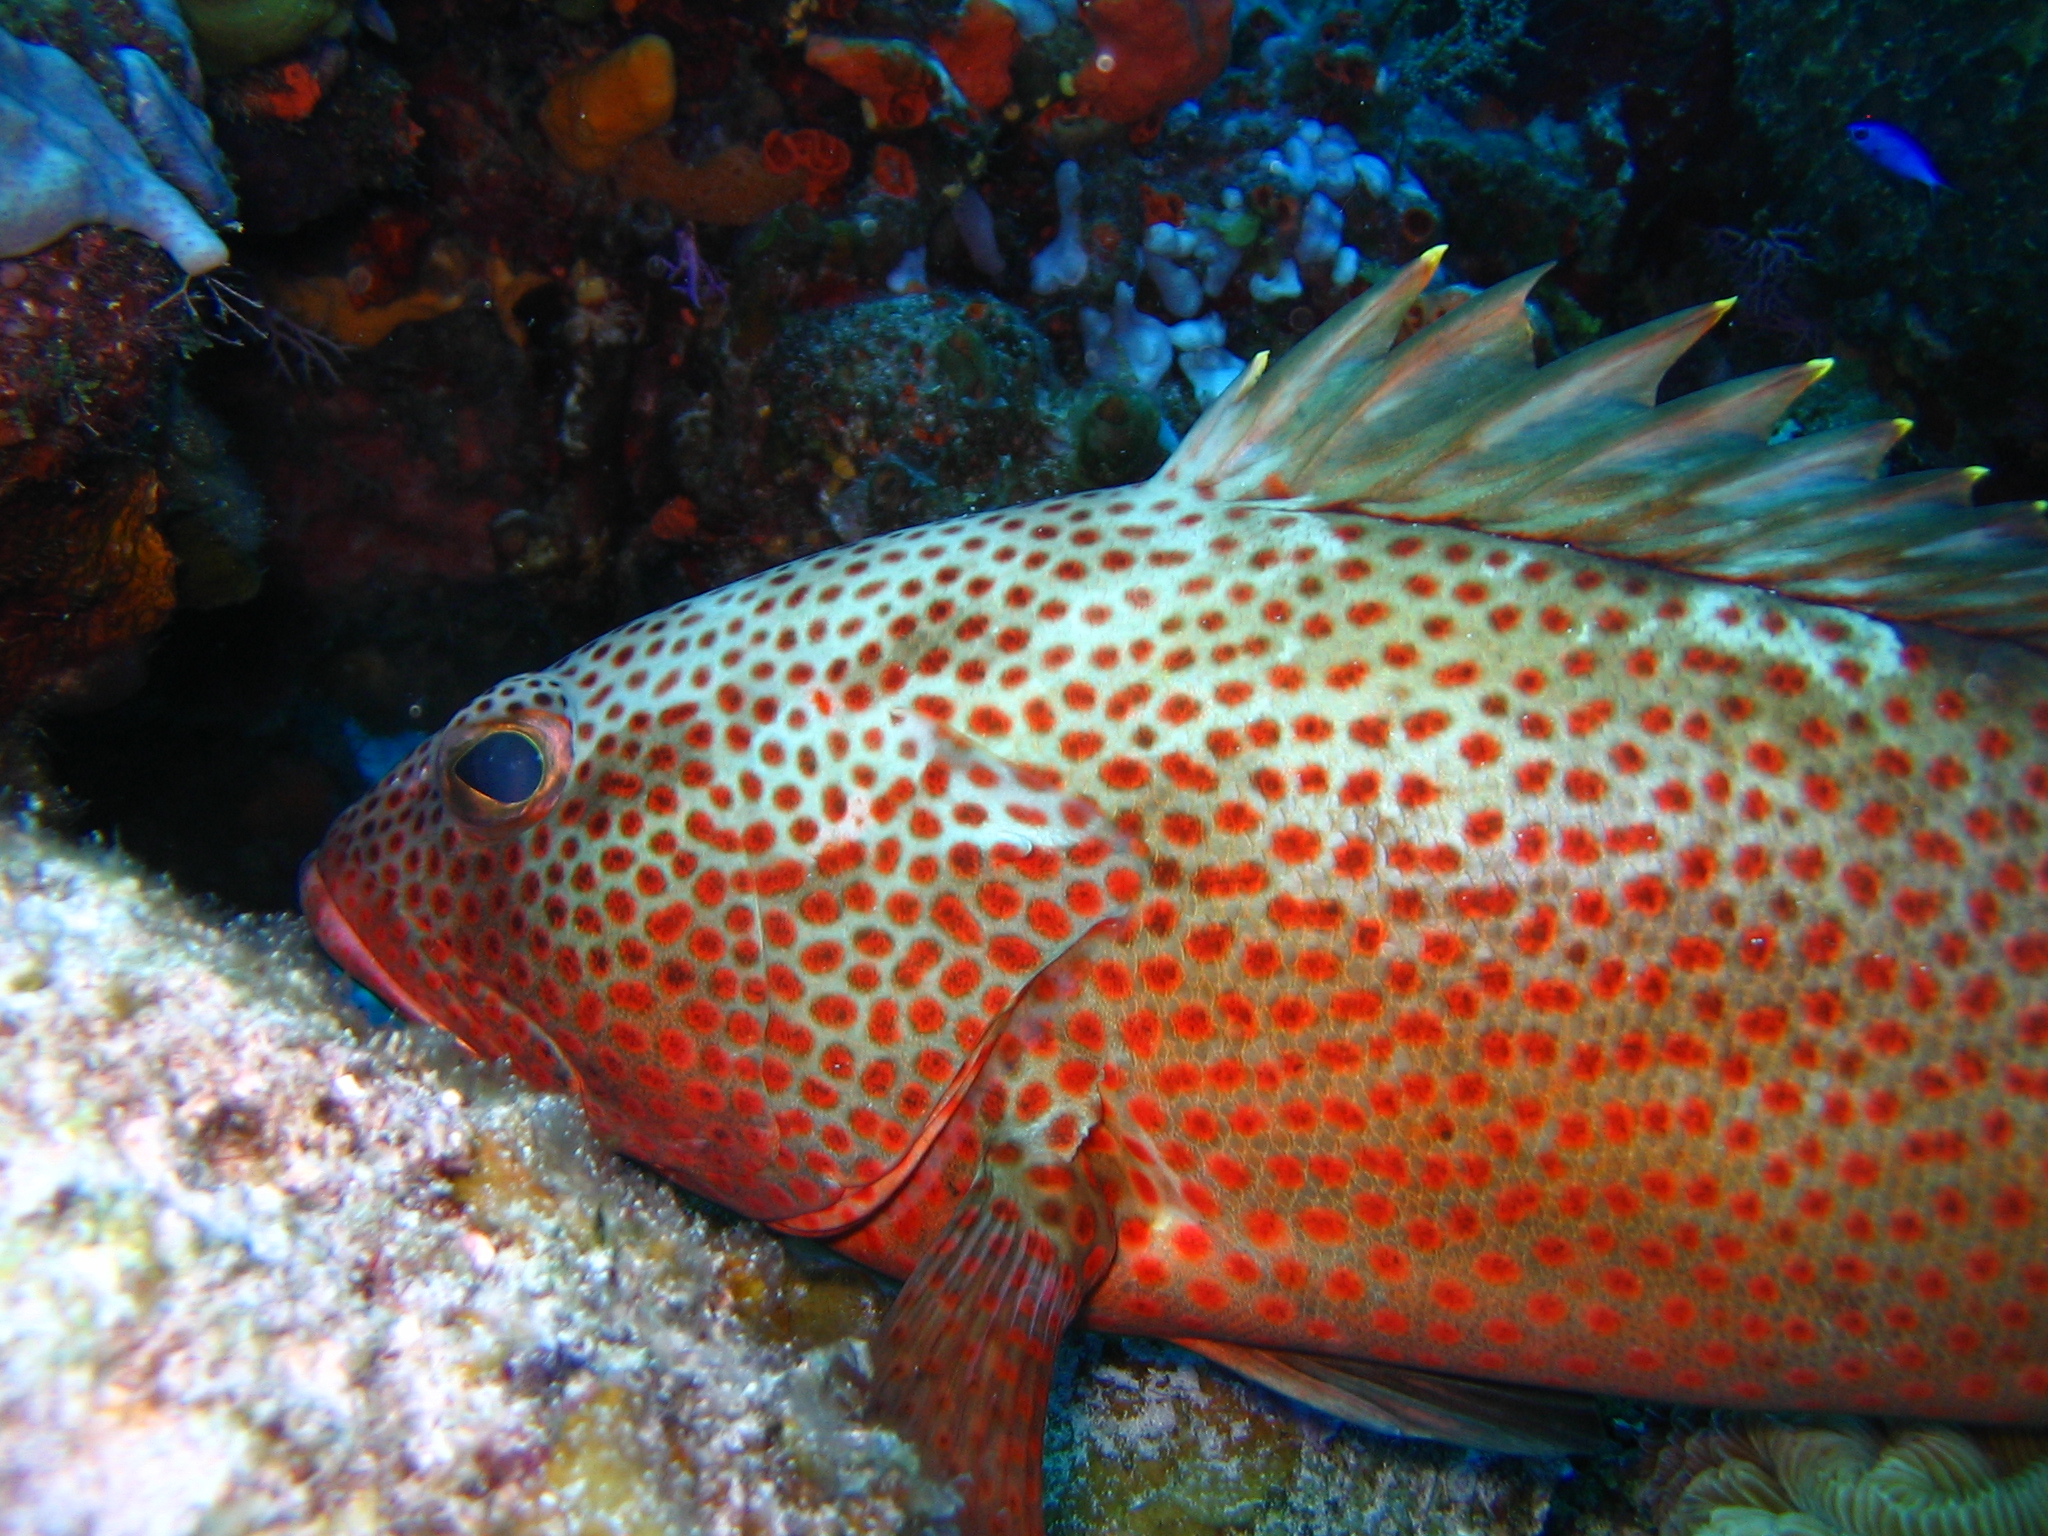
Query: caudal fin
pixel 1457 425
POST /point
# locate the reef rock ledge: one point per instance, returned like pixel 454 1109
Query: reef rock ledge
pixel 265 1267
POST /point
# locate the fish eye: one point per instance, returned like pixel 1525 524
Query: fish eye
pixel 505 766
pixel 506 771
pixel 1859 132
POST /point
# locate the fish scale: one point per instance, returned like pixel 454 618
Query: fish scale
pixel 1603 1081
pixel 1389 958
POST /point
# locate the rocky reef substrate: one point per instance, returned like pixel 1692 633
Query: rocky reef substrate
pixel 263 1267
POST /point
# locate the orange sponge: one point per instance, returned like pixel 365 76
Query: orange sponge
pixel 595 111
pixel 732 187
pixel 324 304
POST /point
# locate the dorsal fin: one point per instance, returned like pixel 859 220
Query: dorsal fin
pixel 1457 425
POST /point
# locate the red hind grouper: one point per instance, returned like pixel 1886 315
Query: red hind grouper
pixel 1391 902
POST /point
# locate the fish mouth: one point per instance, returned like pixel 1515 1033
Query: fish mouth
pixel 346 947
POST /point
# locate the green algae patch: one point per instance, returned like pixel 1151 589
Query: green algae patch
pixel 236 34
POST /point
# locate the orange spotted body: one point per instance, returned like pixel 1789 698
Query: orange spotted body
pixel 1305 934
pixel 1544 969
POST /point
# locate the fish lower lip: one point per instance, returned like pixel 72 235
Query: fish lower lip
pixel 346 949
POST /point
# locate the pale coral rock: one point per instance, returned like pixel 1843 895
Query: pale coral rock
pixel 1147 1440
pixel 265 1268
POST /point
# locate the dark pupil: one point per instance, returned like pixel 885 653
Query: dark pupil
pixel 505 766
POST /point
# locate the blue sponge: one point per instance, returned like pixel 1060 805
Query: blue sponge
pixel 70 161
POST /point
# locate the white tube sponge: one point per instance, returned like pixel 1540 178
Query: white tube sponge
pixel 1173 243
pixel 1374 174
pixel 977 228
pixel 1065 262
pixel 1283 284
pixel 1147 344
pixel 1322 232
pixel 1179 289
pixel 1219 262
pixel 1293 165
pixel 69 161
pixel 907 276
pixel 1210 371
pixel 1126 343
pixel 1196 335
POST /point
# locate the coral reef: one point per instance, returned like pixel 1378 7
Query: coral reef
pixel 265 1265
pixel 86 327
pixel 548 314
pixel 1522 194
pixel 315 136
pixel 110 207
pixel 734 186
pixel 955 418
pixel 326 304
pixel 213 516
pixel 977 49
pixel 898 83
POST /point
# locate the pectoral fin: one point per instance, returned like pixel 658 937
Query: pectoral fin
pixel 1399 1400
pixel 964 1364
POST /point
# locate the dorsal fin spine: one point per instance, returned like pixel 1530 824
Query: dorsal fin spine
pixel 1456 425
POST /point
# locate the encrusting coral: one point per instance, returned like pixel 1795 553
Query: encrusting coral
pixel 1847 1477
pixel 977 49
pixel 898 83
pixel 1147 1440
pixel 263 1268
pixel 1151 54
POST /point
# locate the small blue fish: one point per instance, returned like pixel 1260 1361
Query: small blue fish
pixel 376 20
pixel 1895 150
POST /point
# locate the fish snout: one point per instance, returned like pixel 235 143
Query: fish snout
pixel 345 946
